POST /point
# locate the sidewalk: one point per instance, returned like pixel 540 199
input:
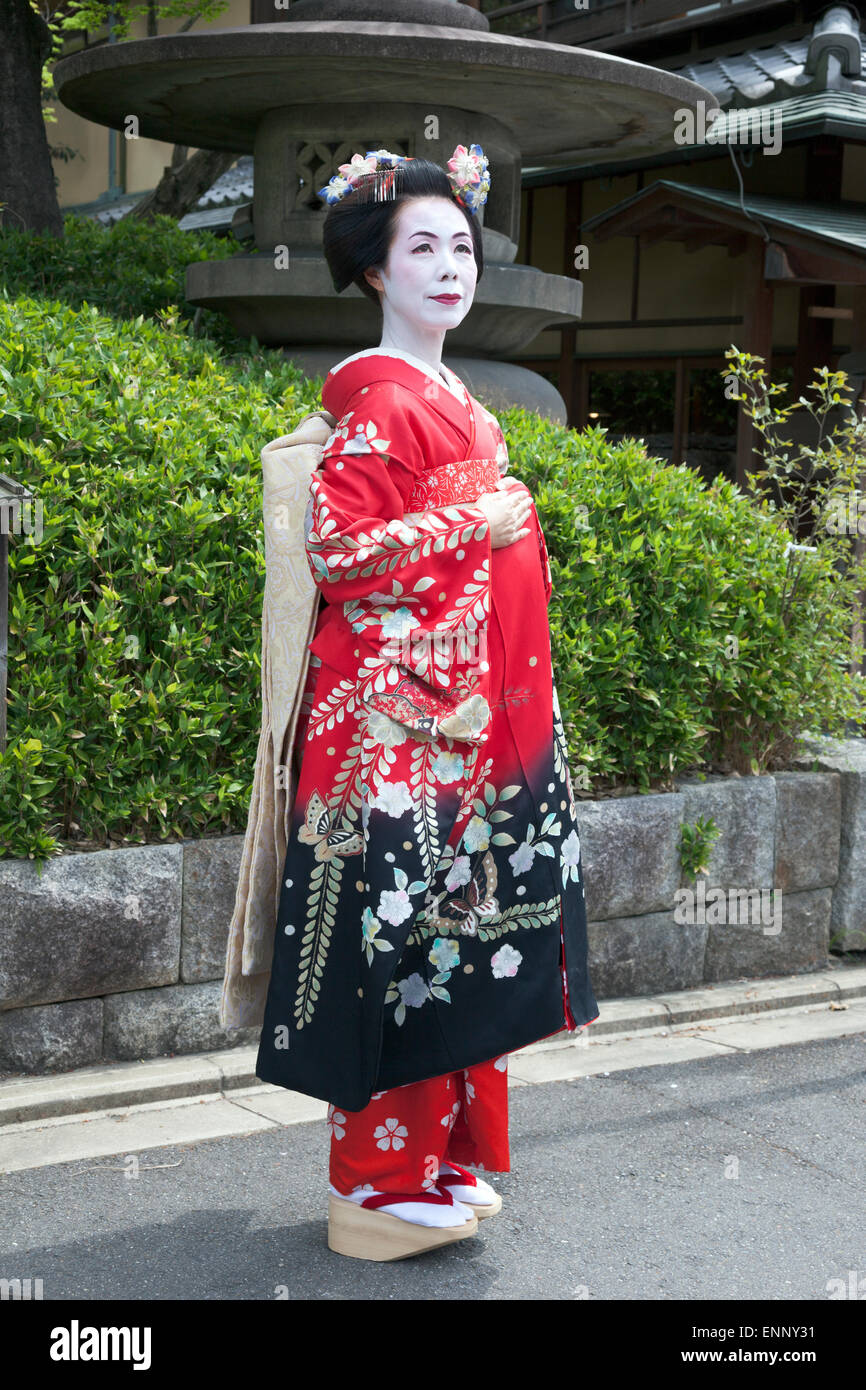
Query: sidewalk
pixel 127 1106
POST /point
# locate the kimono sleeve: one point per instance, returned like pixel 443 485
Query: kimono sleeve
pixel 416 596
pixel 543 557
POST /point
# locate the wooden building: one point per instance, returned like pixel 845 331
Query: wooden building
pixel 752 232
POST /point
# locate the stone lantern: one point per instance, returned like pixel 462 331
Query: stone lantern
pixel 416 77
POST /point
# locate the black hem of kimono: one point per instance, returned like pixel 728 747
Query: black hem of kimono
pixel 389 1078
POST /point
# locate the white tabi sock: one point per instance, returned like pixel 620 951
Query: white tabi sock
pixel 479 1194
pixel 416 1213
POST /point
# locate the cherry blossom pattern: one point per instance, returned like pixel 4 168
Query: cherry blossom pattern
pixel 505 962
pixel 479 833
pixel 521 859
pixel 570 858
pixel 448 767
pixel 393 798
pixel 411 992
pixel 395 904
pixel 336 1122
pixel 451 1116
pixel 414 991
pixel 475 714
pixel 444 956
pixel 398 623
pixel 391 1135
pixel 385 730
pixel 383 615
pixel 459 873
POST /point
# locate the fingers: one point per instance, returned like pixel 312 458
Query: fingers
pixel 522 508
pixel 510 509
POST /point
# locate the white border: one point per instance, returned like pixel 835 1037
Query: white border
pixel 452 380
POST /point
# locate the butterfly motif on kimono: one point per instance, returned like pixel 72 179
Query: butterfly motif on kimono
pixel 479 905
pixel 318 829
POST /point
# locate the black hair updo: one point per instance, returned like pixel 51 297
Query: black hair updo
pixel 358 230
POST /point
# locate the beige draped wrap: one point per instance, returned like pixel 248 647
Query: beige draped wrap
pixel 289 611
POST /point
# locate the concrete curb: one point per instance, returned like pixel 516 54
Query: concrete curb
pixel 91 1090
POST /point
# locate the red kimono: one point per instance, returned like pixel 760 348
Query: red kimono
pixel 432 914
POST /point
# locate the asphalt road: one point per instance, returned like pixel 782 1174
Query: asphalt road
pixel 735 1177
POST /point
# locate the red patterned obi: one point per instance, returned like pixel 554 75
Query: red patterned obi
pixel 462 481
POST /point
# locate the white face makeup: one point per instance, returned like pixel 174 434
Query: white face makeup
pixel 428 282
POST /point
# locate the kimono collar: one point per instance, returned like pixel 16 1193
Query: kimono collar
pixel 394 364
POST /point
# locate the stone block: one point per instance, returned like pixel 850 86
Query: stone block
pixel 51 1037
pixel 172 1021
pixel 847 757
pixel 747 949
pixel 630 854
pixel 744 809
pixel 808 830
pixel 211 869
pixel 645 955
pixel 90 924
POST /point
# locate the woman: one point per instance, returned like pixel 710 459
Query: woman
pixel 431 916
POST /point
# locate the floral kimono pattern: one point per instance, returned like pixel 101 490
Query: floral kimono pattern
pixel 398 1142
pixel 432 912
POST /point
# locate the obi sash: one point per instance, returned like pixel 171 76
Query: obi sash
pixel 461 481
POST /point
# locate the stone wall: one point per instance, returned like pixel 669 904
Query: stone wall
pixel 118 954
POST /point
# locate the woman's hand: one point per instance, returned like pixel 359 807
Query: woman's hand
pixel 507 510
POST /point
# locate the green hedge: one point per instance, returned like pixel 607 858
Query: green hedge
pixel 676 641
pixel 129 269
pixel 134 675
pixel 134 664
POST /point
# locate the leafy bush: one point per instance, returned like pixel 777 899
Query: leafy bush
pixel 134 662
pixel 677 641
pixel 129 269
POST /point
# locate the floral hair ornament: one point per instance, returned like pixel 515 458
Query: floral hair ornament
pixel 372 175
pixel 469 176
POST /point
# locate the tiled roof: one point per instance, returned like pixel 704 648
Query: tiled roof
pixel 214 209
pixel 804 87
pixel 752 74
pixel 845 110
pixel 778 70
pixel 842 224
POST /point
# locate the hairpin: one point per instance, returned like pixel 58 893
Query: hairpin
pixel 468 174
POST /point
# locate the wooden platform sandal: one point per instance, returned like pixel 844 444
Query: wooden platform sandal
pixel 471 1191
pixel 365 1233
